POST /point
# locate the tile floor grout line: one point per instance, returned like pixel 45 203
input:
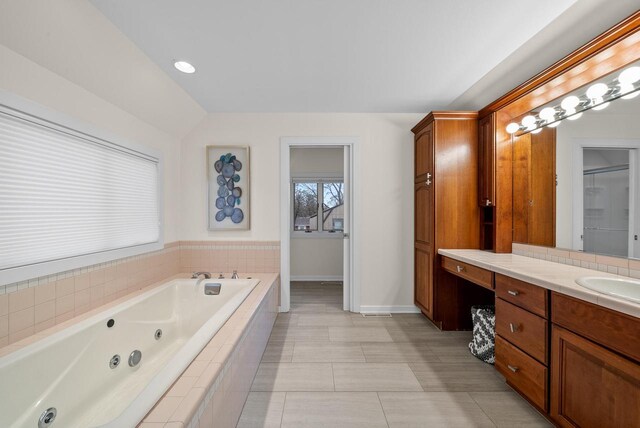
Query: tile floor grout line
pixel 485 413
pixel 284 405
pixel 333 378
pixel 382 407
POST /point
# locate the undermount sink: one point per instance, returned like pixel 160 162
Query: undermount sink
pixel 627 289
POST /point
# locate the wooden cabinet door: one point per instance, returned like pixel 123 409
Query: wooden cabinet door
pixel 542 183
pixel 424 224
pixel 424 279
pixel 424 154
pixel 592 386
pixel 486 162
pixel 424 220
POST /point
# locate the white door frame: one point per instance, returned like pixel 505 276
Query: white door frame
pixel 579 144
pixel 352 295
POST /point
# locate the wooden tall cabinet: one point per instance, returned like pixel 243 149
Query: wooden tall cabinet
pixel 487 161
pixel 534 188
pixel 424 219
pixel 446 209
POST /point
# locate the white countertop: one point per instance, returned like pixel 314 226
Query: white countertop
pixel 550 275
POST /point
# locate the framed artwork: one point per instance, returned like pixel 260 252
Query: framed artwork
pixel 228 176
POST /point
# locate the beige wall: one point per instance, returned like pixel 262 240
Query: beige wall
pixel 316 258
pixel 385 192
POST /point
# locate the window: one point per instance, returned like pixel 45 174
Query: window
pixel 318 206
pixel 69 199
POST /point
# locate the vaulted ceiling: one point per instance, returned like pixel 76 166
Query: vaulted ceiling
pixel 330 56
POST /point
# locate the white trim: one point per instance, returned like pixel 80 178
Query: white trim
pixel 286 143
pixel 396 309
pixel 23 108
pixel 316 235
pixel 332 278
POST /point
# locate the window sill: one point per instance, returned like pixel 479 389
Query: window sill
pixel 317 235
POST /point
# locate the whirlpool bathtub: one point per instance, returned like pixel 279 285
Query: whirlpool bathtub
pixel 111 368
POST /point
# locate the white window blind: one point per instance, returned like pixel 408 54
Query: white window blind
pixel 65 194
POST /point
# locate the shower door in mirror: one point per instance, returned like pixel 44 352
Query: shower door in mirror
pixel 606 208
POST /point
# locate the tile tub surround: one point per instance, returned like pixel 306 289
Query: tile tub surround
pixel 610 264
pixel 550 275
pixel 213 389
pixel 226 256
pixel 30 307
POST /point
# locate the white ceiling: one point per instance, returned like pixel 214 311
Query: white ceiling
pixel 330 55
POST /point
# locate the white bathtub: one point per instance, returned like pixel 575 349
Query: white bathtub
pixel 70 369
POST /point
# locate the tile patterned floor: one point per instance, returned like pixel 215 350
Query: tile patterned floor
pixel 327 368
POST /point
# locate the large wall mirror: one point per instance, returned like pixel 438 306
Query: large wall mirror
pixel 576 169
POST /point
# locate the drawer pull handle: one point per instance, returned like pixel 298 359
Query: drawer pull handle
pixel 460 268
pixel 512 368
pixel 513 293
pixel 513 327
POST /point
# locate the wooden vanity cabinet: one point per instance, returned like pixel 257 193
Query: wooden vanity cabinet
pixel 595 360
pixel 446 208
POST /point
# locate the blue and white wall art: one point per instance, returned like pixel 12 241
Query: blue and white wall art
pixel 228 173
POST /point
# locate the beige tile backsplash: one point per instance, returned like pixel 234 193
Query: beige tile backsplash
pixel 29 307
pixel 615 265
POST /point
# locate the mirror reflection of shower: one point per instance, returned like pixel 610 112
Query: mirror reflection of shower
pixel 606 201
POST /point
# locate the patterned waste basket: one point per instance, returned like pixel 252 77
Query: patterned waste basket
pixel 483 344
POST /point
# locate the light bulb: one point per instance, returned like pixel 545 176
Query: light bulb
pixel 554 124
pixel 601 106
pixel 575 116
pixel 548 114
pixel 569 111
pixel 570 103
pixel 528 121
pixel 184 66
pixel 629 76
pixel 512 128
pixel 597 91
pixel 536 131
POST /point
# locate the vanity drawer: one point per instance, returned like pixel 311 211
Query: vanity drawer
pixel 531 297
pixel 469 272
pixel 522 328
pixel 522 372
pixel 609 328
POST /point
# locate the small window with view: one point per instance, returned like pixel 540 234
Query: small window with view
pixel 318 206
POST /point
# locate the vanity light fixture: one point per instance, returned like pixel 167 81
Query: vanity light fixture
pixel 185 67
pixel 597 97
pixel 513 127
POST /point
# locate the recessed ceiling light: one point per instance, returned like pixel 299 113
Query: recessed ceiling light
pixel 185 67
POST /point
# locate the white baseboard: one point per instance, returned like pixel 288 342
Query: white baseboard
pixel 316 278
pixel 399 309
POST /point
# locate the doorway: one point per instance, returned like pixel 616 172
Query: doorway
pixel 317 228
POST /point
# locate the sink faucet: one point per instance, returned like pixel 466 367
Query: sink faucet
pixel 195 275
pixel 235 275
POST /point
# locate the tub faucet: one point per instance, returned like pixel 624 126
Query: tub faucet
pixel 235 275
pixel 195 275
